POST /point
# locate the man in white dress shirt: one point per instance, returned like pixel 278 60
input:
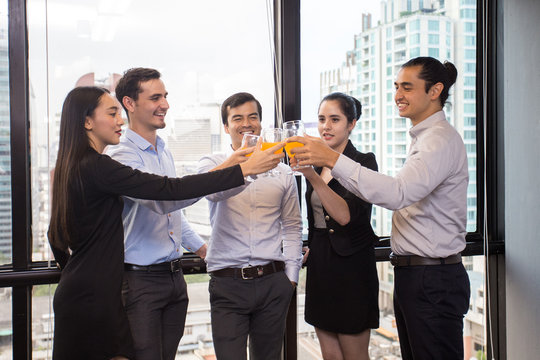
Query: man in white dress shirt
pixel 255 250
pixel 429 199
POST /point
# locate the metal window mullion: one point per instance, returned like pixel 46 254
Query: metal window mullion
pixel 20 175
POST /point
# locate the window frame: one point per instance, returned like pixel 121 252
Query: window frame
pixel 23 273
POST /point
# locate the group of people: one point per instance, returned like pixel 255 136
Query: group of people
pixel 117 230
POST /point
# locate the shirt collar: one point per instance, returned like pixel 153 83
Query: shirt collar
pixel 427 123
pixel 142 143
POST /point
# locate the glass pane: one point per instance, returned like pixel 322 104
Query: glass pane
pixel 340 67
pixel 6 321
pixel 203 60
pixel 42 321
pixel 347 63
pixel 5 152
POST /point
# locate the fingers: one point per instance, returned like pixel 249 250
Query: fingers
pixel 300 139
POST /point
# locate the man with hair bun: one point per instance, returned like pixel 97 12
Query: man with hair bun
pixel 429 200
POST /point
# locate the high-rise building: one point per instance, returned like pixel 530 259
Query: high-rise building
pixel 5 153
pixel 196 132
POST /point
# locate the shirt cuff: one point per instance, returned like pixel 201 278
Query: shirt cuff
pixel 344 168
pixel 292 272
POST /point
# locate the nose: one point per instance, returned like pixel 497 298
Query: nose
pixel 119 119
pixel 165 103
pixel 327 124
pixel 398 95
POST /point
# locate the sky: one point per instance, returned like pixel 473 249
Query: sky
pixel 206 49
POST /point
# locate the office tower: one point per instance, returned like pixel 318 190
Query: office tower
pixel 196 132
pixel 5 153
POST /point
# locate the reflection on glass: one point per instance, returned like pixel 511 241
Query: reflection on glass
pixel 5 152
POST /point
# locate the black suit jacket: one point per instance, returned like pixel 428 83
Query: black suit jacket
pixel 357 234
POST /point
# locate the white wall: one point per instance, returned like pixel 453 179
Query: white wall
pixel 521 101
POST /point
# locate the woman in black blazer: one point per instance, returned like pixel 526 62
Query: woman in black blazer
pixel 342 285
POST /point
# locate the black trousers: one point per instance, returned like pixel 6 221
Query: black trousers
pixel 256 308
pixel 156 306
pixel 429 304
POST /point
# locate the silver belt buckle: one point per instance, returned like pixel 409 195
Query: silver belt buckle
pixel 245 277
pixel 175 265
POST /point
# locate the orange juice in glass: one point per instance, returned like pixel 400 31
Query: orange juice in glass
pixel 290 129
pixel 249 140
pixel 272 137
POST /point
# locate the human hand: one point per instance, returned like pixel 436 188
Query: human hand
pixel 314 152
pixel 263 160
pixel 306 254
pixel 202 251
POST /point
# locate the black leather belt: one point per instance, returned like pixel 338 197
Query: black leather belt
pixel 414 260
pixel 251 272
pixel 169 266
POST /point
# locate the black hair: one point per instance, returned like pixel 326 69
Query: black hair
pixel 235 101
pixel 130 83
pixel 433 71
pixel 350 106
pixel 73 144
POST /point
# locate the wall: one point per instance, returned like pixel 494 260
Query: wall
pixel 521 101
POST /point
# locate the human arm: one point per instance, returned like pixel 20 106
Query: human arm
pixel 191 240
pixel 334 204
pixel 425 168
pixel 291 224
pixel 314 152
pixel 133 158
pixel 113 177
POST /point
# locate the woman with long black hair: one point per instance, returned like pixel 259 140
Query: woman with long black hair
pixel 86 232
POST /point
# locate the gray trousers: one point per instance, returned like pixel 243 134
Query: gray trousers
pixel 156 306
pixel 254 308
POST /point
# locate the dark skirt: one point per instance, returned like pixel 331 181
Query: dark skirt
pixel 341 291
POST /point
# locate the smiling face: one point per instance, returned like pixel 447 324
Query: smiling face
pixel 333 126
pixel 147 113
pixel 104 126
pixel 242 119
pixel 412 99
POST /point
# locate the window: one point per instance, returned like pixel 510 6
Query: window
pixel 469 94
pixel 5 152
pixel 470 54
pixel 470 40
pixel 469 27
pixel 433 25
pixel 433 52
pixel 414 25
pixel 415 39
pixel 469 121
pixel 88 50
pixel 468 13
pixel 414 52
pixel 433 39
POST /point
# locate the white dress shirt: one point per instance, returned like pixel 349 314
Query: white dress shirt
pixel 255 223
pixel 428 195
pixel 154 231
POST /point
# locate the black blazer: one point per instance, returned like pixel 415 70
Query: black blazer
pixel 358 233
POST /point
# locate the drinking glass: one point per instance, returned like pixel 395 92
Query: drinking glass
pixel 272 137
pixel 249 140
pixel 290 129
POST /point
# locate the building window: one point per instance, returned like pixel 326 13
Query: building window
pixel 433 39
pixel 433 25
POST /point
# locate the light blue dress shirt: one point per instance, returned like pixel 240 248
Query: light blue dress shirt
pixel 255 223
pixel 154 231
